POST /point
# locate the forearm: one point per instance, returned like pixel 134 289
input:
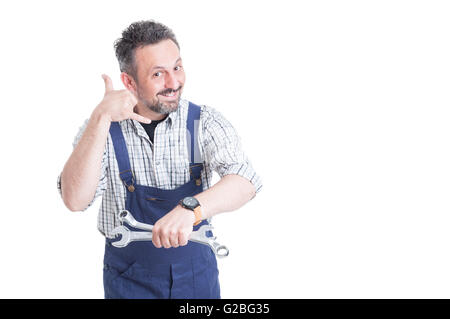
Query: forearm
pixel 229 194
pixel 81 173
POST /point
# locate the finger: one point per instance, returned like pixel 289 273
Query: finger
pixel 173 238
pixel 165 240
pixel 155 238
pixel 182 239
pixel 108 83
pixel 156 241
pixel 140 118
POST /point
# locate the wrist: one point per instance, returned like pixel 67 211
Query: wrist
pixel 99 117
pixel 189 213
pixel 198 215
pixel 193 205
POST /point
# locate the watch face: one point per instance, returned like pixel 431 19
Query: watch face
pixel 190 202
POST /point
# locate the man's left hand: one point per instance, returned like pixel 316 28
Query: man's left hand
pixel 173 229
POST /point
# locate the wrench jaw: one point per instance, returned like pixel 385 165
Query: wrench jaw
pixel 125 236
pixel 128 236
pixel 126 217
pixel 199 236
pixel 221 251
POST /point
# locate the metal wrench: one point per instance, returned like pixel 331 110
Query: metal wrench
pixel 128 236
pixel 126 217
pixel 199 236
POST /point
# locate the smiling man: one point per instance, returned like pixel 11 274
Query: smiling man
pixel 147 150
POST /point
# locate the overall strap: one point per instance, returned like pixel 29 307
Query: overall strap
pixel 120 149
pixel 195 160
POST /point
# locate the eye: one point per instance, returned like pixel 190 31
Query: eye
pixel 157 74
pixel 178 67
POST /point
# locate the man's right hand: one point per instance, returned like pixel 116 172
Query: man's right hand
pixel 118 105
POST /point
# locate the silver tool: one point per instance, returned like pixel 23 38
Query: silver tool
pixel 126 217
pixel 128 236
pixel 199 236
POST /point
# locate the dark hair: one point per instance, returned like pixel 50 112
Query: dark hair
pixel 137 35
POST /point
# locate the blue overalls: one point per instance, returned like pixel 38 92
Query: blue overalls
pixel 140 270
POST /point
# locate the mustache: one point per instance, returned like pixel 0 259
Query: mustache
pixel 168 91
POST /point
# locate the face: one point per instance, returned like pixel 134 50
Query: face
pixel 160 76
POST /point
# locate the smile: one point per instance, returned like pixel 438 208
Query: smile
pixel 171 96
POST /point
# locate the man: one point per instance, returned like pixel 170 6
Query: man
pixel 146 150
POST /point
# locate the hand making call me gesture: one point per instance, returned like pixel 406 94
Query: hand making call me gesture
pixel 119 105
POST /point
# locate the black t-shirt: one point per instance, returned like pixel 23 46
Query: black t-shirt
pixel 150 128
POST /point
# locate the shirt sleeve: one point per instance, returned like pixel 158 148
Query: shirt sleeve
pixel 222 148
pixel 102 185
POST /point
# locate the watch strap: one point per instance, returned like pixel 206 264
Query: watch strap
pixel 198 215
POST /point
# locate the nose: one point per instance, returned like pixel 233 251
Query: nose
pixel 171 81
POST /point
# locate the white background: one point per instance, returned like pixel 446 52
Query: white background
pixel 342 107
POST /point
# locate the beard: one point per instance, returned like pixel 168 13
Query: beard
pixel 162 107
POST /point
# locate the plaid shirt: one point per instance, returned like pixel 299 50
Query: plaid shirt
pixel 165 163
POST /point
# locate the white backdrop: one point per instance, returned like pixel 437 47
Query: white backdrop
pixel 342 107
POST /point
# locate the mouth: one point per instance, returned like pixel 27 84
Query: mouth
pixel 170 96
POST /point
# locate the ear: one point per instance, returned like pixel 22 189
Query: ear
pixel 128 82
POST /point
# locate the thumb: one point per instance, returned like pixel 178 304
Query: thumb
pixel 108 83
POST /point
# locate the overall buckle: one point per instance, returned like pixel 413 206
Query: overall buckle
pixel 198 181
pixel 130 187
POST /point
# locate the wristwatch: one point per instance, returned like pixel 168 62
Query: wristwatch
pixel 193 204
